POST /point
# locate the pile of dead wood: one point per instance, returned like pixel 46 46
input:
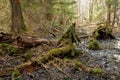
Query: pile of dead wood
pixel 65 48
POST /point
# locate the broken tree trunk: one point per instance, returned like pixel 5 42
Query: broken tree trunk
pixel 103 33
pixel 70 36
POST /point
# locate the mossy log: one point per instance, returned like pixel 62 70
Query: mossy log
pixel 102 32
pixel 42 59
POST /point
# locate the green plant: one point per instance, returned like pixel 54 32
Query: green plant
pixel 13 50
pixel 97 71
pixel 15 74
pixel 27 56
pixel 77 64
pixel 5 45
pixel 7 48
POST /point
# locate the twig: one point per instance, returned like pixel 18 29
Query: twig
pixel 45 67
pixel 61 70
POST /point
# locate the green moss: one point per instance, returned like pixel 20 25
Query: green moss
pixel 70 34
pixel 94 45
pixel 59 52
pixel 7 48
pixel 13 50
pixel 97 71
pixel 96 34
pixel 77 64
pixel 5 45
pixel 27 56
pixel 16 73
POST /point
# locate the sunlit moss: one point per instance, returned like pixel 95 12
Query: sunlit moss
pixel 77 64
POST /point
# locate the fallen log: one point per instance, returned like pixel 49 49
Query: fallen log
pixel 29 42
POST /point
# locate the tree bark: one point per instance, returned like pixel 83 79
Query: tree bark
pixel 108 18
pixel 115 12
pixel 18 24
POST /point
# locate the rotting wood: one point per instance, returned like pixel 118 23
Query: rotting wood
pixel 6 37
pixel 29 42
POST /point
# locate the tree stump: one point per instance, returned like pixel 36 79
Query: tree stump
pixel 102 33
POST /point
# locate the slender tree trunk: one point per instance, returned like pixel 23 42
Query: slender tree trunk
pixel 108 12
pixel 91 10
pixel 117 17
pixel 115 13
pixel 49 15
pixel 18 24
pixel 108 20
pixel 114 17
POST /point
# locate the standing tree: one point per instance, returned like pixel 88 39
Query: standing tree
pixel 108 5
pixel 115 5
pixel 18 24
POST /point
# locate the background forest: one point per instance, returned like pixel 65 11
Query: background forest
pixel 61 13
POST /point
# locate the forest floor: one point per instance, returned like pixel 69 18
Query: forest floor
pixel 105 63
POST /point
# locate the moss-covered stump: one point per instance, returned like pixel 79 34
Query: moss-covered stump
pixel 70 36
pixel 102 32
pixel 94 45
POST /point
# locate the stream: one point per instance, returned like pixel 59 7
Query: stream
pixel 108 57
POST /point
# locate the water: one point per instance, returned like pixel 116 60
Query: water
pixel 108 57
pixel 110 47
